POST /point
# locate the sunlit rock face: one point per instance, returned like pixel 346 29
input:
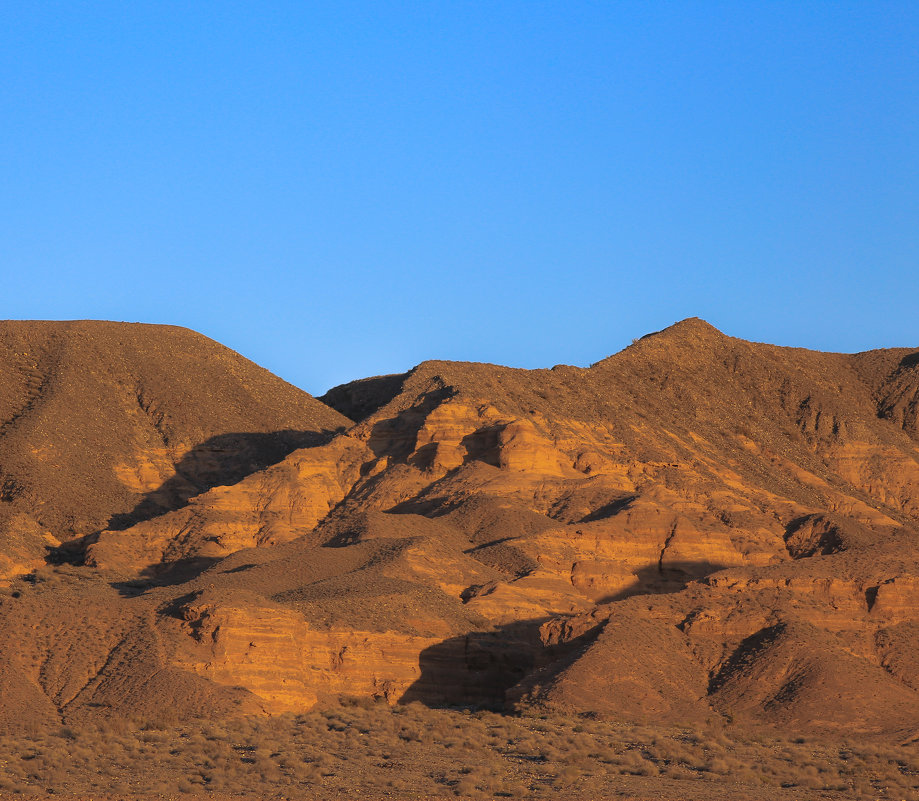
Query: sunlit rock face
pixel 105 424
pixel 693 528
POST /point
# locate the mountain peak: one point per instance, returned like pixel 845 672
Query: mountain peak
pixel 691 327
pixel 691 332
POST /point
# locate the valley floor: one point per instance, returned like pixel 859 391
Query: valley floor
pixel 370 751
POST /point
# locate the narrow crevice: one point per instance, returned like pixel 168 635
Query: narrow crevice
pixel 670 536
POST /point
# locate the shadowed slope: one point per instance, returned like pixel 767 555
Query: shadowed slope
pixel 603 540
pixel 101 420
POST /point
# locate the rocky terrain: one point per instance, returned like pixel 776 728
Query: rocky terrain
pixel 698 532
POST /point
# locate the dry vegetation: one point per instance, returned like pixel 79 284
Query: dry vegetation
pixel 370 751
pixel 699 523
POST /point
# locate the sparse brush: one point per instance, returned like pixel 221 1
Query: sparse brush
pixel 568 775
pixel 513 789
pixel 467 788
pixel 678 771
pixel 436 752
pixel 721 766
pixel 68 733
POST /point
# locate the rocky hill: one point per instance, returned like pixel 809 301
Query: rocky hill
pixel 103 424
pixel 697 528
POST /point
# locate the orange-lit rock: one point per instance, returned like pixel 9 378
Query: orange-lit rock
pixel 275 654
pixel 275 505
pixel 697 527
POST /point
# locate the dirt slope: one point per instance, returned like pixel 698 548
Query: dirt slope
pixel 697 528
pixel 103 424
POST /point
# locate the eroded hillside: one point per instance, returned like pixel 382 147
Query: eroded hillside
pixel 697 528
pixel 103 424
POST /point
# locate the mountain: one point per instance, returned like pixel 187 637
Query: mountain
pixel 697 528
pixel 103 424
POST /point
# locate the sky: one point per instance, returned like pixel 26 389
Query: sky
pixel 337 190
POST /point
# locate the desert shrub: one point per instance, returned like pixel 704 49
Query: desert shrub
pixel 67 733
pixel 116 726
pixel 411 734
pixel 677 771
pixel 467 788
pixel 568 775
pixel 720 766
pixel 435 753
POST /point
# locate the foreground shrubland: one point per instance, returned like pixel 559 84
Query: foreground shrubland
pixel 370 750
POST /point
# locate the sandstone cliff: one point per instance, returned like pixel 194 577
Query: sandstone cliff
pixel 697 527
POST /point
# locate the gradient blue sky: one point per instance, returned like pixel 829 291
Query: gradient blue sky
pixel 346 189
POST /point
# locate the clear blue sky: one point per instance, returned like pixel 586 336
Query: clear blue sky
pixel 345 189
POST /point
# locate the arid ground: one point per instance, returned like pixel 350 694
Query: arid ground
pixel 689 571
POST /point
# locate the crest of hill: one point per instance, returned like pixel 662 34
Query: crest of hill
pixel 103 419
pixel 689 375
pixel 695 506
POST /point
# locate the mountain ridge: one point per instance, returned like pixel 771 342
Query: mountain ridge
pixel 97 417
pixel 728 513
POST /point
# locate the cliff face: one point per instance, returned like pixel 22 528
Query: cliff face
pixel 697 526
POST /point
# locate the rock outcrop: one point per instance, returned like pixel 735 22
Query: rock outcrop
pixel 696 528
pixel 104 424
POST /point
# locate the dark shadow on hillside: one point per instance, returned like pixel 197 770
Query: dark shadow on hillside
pixel 168 575
pixel 482 445
pixel 910 361
pixel 504 557
pixel 744 654
pixel 359 399
pixel 654 580
pixel 610 509
pixel 478 669
pixel 813 534
pixel 70 552
pixel 395 437
pixel 219 461
pixel 425 506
